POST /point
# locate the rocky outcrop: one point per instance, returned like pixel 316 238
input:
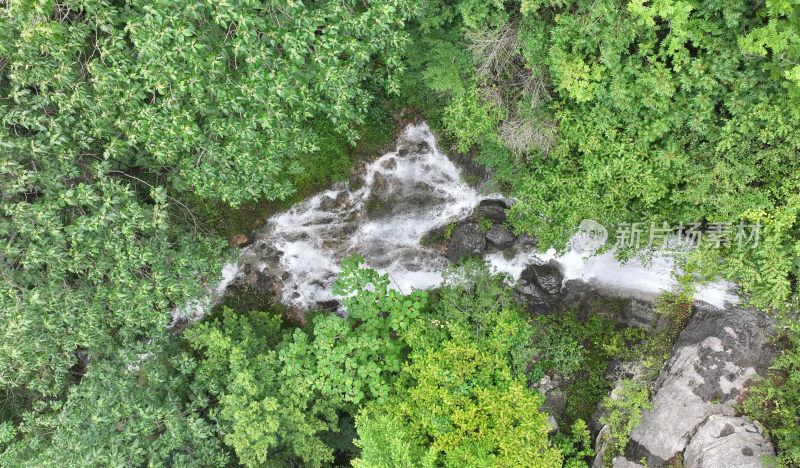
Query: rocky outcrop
pixel 404 147
pixel 712 361
pixel 727 441
pixel 546 276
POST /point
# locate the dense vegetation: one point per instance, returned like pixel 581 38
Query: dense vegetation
pixel 130 130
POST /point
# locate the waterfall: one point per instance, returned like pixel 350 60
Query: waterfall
pixel 404 195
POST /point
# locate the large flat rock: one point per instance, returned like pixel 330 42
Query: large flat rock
pixel 713 358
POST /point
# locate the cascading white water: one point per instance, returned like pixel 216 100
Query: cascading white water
pixel 406 194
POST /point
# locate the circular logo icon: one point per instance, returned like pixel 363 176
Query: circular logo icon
pixel 591 236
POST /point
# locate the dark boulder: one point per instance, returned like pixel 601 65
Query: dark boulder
pixel 533 298
pixel 466 239
pixel 331 305
pixel 500 237
pixel 493 210
pixel 413 147
pixel 547 276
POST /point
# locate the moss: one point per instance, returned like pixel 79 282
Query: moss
pixel 485 223
pixel 331 163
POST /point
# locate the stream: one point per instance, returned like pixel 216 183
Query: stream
pixel 404 195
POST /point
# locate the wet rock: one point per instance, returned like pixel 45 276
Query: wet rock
pixel 329 203
pixel 547 276
pixel 527 240
pixel 389 198
pixel 494 210
pixel 357 176
pixel 500 237
pixel 331 305
pixel 240 240
pixel 404 148
pixel 533 298
pixel 713 358
pixel 437 238
pixel 727 441
pixel 380 193
pixel 629 308
pixel 466 239
pixel 389 163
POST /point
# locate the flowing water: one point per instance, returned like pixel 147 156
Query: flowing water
pixel 405 194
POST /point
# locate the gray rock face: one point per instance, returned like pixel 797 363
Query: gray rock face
pixel 466 239
pixel 727 441
pixel 555 402
pixel 552 425
pixel 622 462
pixel 712 360
pixel 500 237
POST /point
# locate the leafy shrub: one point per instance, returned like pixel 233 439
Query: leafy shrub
pixel 459 402
pixel 625 405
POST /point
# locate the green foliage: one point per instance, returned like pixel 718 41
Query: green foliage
pixel 266 417
pixel 386 443
pixel 780 39
pixel 281 393
pixel 570 345
pixel 625 404
pixel 654 351
pixel 468 118
pixel 129 410
pixel 634 112
pixel 114 118
pixel 473 296
pixel 88 267
pixel 217 95
pixel 355 359
pixel 485 223
pixel 463 398
pixel 576 446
